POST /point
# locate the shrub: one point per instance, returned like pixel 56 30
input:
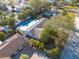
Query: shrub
pixel 48 34
pixel 2 35
pixel 72 15
pixel 55 53
pixel 11 32
pixel 37 44
pixel 24 56
pixel 39 16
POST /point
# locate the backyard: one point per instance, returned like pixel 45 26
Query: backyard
pixel 59 23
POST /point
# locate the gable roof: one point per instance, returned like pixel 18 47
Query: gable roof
pixel 11 45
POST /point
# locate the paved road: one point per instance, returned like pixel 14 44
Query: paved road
pixel 71 50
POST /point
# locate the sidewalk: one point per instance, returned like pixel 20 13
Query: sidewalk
pixel 77 26
pixel 77 23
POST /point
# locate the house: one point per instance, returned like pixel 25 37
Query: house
pixel 12 45
pixel 38 55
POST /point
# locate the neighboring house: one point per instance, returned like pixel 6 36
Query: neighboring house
pixel 12 45
pixel 38 55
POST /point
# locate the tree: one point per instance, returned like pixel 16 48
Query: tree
pixel 10 22
pixel 61 22
pixel 62 2
pixel 58 29
pixel 77 1
pixel 71 2
pixel 1 14
pixel 12 2
pixel 32 42
pixel 48 34
pixel 24 56
pixel 37 44
pixel 54 53
pixel 48 37
pixel 2 36
pixel 74 2
pixel 39 5
pixel 11 32
pixel 58 3
pixel 25 13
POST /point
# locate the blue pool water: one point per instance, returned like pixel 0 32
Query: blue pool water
pixel 24 23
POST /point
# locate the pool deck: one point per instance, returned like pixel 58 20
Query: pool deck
pixel 40 21
pixel 25 30
pixel 30 24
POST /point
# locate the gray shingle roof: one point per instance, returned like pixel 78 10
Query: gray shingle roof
pixel 11 45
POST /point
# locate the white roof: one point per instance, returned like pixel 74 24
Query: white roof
pixel 36 56
pixel 23 28
pixel 0 42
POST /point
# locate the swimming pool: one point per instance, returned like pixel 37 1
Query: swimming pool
pixel 26 28
pixel 24 23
